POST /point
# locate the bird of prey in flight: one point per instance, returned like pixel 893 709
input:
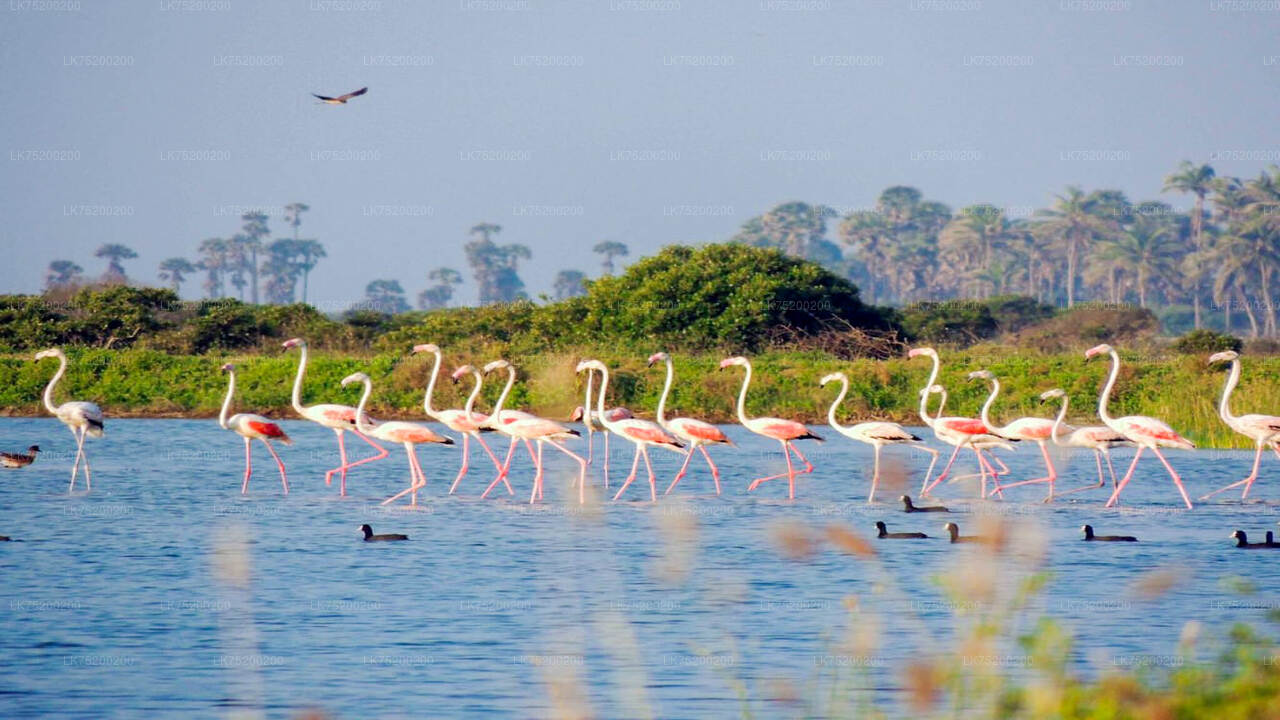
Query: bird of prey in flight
pixel 341 99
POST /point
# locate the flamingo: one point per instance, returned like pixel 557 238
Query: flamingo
pixel 960 432
pixel 986 445
pixel 583 413
pixel 1098 438
pixel 1264 430
pixel 875 434
pixel 338 418
pixel 784 431
pixel 1035 429
pixel 81 418
pixel 500 418
pixel 407 434
pixel 456 420
pixel 1145 432
pixel 642 433
pixel 694 433
pixel 250 427
pixel 524 426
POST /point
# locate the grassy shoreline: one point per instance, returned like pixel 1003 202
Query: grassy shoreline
pixel 1180 389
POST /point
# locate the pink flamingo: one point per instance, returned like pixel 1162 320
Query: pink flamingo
pixel 456 420
pixel 529 428
pixel 1098 438
pixel 406 433
pixel 642 433
pixel 584 414
pixel 338 418
pixel 784 431
pixel 694 433
pixel 875 434
pixel 960 432
pixel 1035 429
pixel 250 427
pixel 1145 432
pixel 1264 430
pixel 81 418
pixel 983 445
pixel 500 418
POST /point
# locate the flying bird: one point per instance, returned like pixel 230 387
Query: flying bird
pixel 341 99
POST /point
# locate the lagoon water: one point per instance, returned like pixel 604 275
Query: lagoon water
pixel 164 592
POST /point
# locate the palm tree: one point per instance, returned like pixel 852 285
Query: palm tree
pixel 213 261
pixel 114 253
pixel 309 252
pixel 1197 180
pixel 609 249
pixel 281 271
pixel 1234 259
pixel 175 271
pixel 62 273
pixel 1076 220
pixel 495 267
pixel 569 283
pixel 1148 248
pixel 252 235
pixel 970 242
pixel 440 292
pixel 385 296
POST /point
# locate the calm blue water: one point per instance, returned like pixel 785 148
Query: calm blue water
pixel 116 604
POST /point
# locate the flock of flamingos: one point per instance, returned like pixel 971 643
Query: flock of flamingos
pixel 685 435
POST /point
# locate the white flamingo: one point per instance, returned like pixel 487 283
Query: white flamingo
pixel 82 418
pixel 456 420
pixel 1098 438
pixel 1037 430
pixel 1264 430
pixel 876 434
pixel 522 426
pixel 338 418
pixel 407 434
pixel 584 414
pixel 785 432
pixel 642 433
pixel 251 427
pixel 696 434
pixel 1145 432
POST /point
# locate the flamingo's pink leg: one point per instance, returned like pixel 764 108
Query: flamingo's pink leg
pixel 1127 476
pixel 1111 468
pixel 808 466
pixel 791 471
pixel 653 479
pixel 715 471
pixel 284 480
pixel 382 453
pixel 926 488
pixel 591 436
pixel 606 458
pixel 1247 482
pixel 928 473
pixel 875 474
pixel 635 466
pixel 1097 457
pixel 1053 474
pixel 75 466
pixel 496 463
pixel 248 468
pixel 1176 480
pixel 582 470
pixel 683 466
pixel 342 459
pixel 413 478
pixel 466 456
pixel 529 446
pixel 502 471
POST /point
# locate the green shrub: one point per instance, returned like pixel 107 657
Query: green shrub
pixel 953 322
pixel 1198 342
pixel 1090 324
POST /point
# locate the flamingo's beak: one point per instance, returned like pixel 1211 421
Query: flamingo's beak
pixel 654 358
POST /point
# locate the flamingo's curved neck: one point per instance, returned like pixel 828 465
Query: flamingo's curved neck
pixel 604 389
pixel 475 392
pixel 666 389
pixel 1057 423
pixel 742 395
pixel 431 387
pixel 986 407
pixel 831 412
pixel 1224 406
pixel 924 396
pixel 586 402
pixel 364 400
pixel 226 404
pixel 942 403
pixel 297 381
pixel 497 407
pixel 48 390
pixel 1105 395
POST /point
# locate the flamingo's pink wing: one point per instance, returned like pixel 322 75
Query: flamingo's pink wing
pixel 968 426
pixel 268 429
pixel 702 431
pixel 647 433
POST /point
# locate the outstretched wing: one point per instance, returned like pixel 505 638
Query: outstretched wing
pixel 352 94
pixel 324 97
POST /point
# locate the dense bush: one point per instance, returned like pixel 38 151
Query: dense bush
pixel 1090 324
pixel 955 322
pixel 1201 341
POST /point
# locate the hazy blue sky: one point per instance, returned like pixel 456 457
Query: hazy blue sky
pixel 155 123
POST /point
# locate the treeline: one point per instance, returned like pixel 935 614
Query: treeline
pixel 1214 265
